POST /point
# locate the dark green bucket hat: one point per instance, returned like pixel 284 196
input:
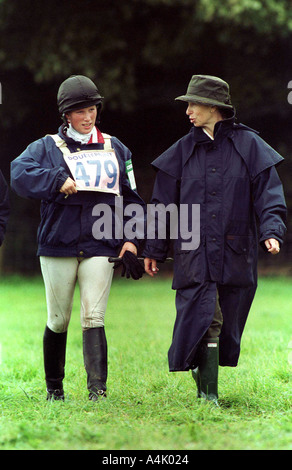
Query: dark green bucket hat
pixel 209 90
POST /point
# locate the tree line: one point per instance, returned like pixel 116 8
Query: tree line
pixel 141 54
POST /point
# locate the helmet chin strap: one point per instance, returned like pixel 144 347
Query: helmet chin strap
pixel 65 121
pixel 98 108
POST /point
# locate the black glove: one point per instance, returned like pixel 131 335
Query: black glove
pixel 131 266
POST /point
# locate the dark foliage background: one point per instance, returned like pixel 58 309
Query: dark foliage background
pixel 141 54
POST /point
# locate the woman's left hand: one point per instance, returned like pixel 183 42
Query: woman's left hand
pixel 273 246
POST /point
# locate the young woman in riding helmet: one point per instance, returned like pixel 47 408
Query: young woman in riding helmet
pixel 74 173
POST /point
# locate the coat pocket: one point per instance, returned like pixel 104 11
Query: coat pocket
pixel 189 268
pixel 60 225
pixel 239 261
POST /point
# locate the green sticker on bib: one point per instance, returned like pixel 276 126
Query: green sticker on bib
pixel 130 174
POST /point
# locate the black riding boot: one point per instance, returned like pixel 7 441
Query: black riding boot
pixel 54 345
pixel 95 361
pixel 206 374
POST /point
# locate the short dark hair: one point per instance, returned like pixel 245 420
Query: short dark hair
pixel 225 113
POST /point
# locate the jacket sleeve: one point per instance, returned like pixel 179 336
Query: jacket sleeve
pixel 133 209
pixel 4 206
pixel 165 192
pixel 34 176
pixel 270 205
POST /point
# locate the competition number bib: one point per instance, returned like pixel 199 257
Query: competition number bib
pixel 95 170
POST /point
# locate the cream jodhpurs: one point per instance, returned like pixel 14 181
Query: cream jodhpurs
pixel 60 276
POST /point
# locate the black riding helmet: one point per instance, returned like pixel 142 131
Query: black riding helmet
pixel 78 92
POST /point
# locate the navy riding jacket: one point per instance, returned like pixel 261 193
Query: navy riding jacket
pixel 67 223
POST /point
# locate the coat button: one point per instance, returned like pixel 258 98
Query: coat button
pixel 213 170
pixel 81 253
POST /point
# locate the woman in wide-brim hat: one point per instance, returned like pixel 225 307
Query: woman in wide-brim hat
pixel 209 102
pixel 229 171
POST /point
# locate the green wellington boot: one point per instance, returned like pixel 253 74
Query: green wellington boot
pixel 206 374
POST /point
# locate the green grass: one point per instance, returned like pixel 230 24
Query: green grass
pixel 147 407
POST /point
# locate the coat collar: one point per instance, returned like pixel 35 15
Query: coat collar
pixel 62 133
pixel 221 129
pixel 173 159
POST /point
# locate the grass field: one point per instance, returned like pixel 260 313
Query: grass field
pixel 147 407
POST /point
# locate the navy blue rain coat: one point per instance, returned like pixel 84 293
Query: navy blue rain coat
pixel 66 223
pixel 4 206
pixel 234 180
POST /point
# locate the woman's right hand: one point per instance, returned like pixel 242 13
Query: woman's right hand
pixel 69 187
pixel 150 266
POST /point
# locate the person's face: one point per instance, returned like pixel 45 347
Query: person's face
pixel 83 120
pixel 200 115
